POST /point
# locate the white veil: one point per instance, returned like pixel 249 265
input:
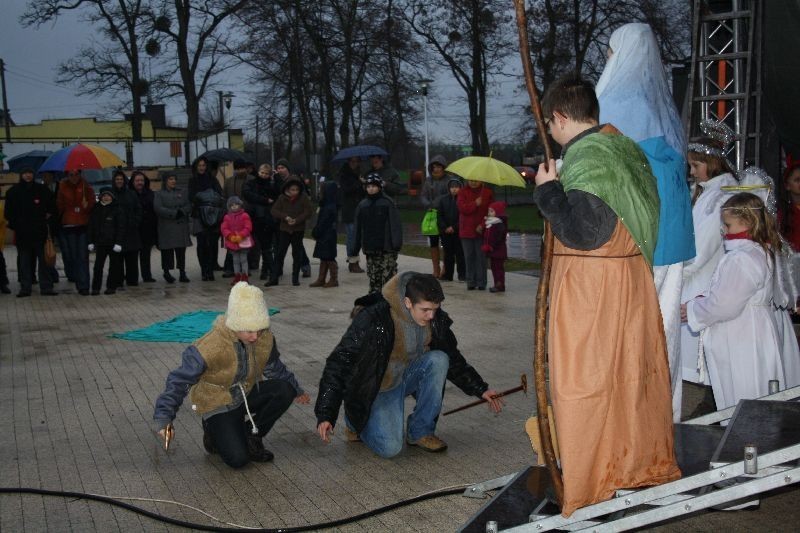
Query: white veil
pixel 633 91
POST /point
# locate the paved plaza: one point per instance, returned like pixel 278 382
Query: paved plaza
pixel 76 415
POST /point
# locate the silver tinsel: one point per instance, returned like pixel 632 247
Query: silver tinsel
pixel 786 284
pixel 718 130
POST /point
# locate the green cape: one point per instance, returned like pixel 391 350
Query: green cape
pixel 614 168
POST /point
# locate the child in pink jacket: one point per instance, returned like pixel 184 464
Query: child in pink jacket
pixel 236 230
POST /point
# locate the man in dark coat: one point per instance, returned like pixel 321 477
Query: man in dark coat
pixel 390 176
pixel 148 227
pixel 128 201
pixel 29 206
pixel 399 344
pixel 352 191
pixel 259 194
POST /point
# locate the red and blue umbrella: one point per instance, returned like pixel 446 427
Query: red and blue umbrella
pixel 81 157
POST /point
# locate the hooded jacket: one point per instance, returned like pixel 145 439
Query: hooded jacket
pixel 325 229
pixel 236 223
pixel 148 225
pixel 448 209
pixel 128 201
pixel 434 188
pixel 107 224
pixel 299 208
pixel 259 194
pixel 28 207
pixel 494 237
pixel 378 228
pixel 355 370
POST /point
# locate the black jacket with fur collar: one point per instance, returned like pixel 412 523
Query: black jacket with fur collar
pixel 354 370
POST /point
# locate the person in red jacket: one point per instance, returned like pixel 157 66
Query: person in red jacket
pixel 473 205
pixel 75 201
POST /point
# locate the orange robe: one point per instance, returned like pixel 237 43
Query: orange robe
pixel 609 374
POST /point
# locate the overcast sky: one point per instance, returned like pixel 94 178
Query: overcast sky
pixel 32 55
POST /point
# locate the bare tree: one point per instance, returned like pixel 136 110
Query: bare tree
pixel 112 66
pixel 572 35
pixel 194 29
pixel 471 38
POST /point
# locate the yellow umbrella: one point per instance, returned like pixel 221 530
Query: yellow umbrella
pixel 487 170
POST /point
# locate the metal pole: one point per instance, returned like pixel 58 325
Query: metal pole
pixel 256 148
pixel 425 115
pixel 221 111
pixel 6 119
pixel 272 142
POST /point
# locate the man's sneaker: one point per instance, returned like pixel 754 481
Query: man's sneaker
pixel 429 443
pixel 351 436
pixel 256 450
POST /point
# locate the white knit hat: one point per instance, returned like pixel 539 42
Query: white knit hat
pixel 247 310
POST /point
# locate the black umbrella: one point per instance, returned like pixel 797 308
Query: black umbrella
pixel 32 159
pixel 362 151
pixel 225 154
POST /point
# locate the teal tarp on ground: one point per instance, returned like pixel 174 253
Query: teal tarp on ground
pixel 184 328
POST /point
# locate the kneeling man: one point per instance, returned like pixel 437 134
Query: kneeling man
pixel 399 344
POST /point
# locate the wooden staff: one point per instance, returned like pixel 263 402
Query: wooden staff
pixel 523 386
pixel 540 354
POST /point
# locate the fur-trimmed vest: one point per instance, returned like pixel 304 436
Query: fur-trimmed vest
pixel 405 330
pixel 218 349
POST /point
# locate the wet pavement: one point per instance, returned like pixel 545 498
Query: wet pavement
pixel 525 246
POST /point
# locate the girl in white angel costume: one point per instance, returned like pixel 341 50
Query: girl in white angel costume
pixel 741 332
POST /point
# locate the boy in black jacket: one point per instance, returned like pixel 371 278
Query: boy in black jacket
pixel 106 231
pixel 447 205
pixel 378 232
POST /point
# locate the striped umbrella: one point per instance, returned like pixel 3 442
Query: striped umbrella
pixel 81 157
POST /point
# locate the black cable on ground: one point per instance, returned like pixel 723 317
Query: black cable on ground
pixel 203 527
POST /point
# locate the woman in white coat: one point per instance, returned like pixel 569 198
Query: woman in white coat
pixel 711 172
pixel 735 317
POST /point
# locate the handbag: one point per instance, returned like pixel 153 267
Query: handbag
pixel 430 222
pixel 49 251
pixel 246 243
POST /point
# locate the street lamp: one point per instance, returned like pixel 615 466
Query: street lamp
pixel 423 84
pixel 226 99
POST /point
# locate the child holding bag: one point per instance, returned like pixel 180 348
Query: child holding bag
pixel 236 230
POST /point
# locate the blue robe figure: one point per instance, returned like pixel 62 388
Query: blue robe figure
pixel 635 97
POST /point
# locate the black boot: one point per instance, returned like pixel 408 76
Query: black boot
pixel 256 451
pixel 264 274
pixel 208 442
pixel 183 278
pixel 168 277
pixel 295 277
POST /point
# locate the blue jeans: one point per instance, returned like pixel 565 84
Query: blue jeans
pixel 77 254
pixel 350 239
pixel 424 380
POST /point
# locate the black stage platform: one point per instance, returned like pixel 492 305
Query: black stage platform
pixel 768 425
pixel 694 449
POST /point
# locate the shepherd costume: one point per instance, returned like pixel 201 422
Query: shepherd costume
pixel 635 96
pixel 609 376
